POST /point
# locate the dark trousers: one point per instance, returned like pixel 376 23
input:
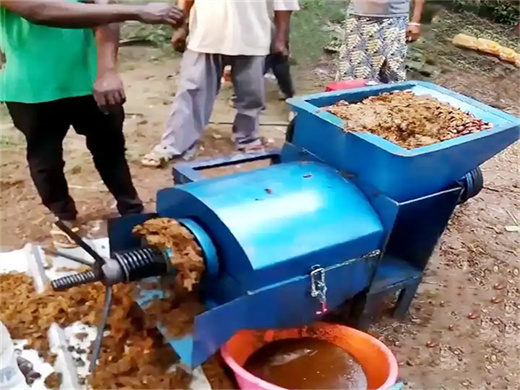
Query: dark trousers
pixel 45 126
pixel 279 64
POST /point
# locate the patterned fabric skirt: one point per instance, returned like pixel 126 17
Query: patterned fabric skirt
pixel 373 49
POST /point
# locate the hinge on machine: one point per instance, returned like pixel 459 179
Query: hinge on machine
pixel 375 253
pixel 319 287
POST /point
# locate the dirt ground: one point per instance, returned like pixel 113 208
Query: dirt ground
pixel 464 325
pixel 438 346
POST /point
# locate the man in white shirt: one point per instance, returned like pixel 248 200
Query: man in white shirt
pixel 237 33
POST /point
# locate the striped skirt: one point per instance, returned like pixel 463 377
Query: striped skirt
pixel 373 49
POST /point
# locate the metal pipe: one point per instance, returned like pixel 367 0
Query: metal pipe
pixel 67 256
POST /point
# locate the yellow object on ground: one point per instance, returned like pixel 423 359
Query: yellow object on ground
pixel 465 41
pixel 508 55
pixel 488 46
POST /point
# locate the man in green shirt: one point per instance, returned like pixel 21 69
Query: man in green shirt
pixel 60 71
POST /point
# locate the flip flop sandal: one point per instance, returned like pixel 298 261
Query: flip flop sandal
pixel 61 240
pixel 255 148
pixel 156 160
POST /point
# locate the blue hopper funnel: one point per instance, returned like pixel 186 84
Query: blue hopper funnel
pixel 395 171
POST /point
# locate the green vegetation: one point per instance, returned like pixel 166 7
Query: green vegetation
pixel 501 11
pixel 311 27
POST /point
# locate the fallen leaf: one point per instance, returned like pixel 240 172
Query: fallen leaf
pixel 473 315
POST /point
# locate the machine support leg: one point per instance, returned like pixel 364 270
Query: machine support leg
pixel 405 299
pixel 363 306
pixel 366 316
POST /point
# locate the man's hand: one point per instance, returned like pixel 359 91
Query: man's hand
pixel 108 90
pixel 161 13
pixel 179 38
pixel 280 47
pixel 413 32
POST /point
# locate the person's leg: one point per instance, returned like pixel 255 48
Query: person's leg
pixel 200 80
pixel 361 55
pixel 395 49
pixel 344 61
pixel 268 65
pixel 248 83
pixel 106 142
pixel 44 126
pixel 282 72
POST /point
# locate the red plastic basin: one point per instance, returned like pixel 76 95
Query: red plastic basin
pixel 378 362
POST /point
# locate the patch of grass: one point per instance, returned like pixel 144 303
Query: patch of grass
pixel 309 33
pixel 150 35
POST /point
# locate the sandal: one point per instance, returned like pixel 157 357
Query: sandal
pixel 156 159
pixel 254 147
pixel 60 238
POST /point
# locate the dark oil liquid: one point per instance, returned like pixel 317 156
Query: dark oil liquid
pixel 306 363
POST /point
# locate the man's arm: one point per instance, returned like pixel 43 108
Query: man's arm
pixel 418 7
pixel 180 36
pixel 62 13
pixel 282 20
pixel 185 6
pixel 283 10
pixel 108 87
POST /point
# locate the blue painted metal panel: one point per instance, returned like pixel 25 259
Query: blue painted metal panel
pixel 275 223
pixel 284 305
pixel 190 171
pixel 399 173
pixel 120 236
pixel 208 249
pixel 393 272
pixel 419 226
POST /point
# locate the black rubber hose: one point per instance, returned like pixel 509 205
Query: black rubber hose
pixel 472 183
pixel 142 263
pixel 78 279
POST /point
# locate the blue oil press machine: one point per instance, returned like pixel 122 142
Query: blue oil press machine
pixel 337 217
